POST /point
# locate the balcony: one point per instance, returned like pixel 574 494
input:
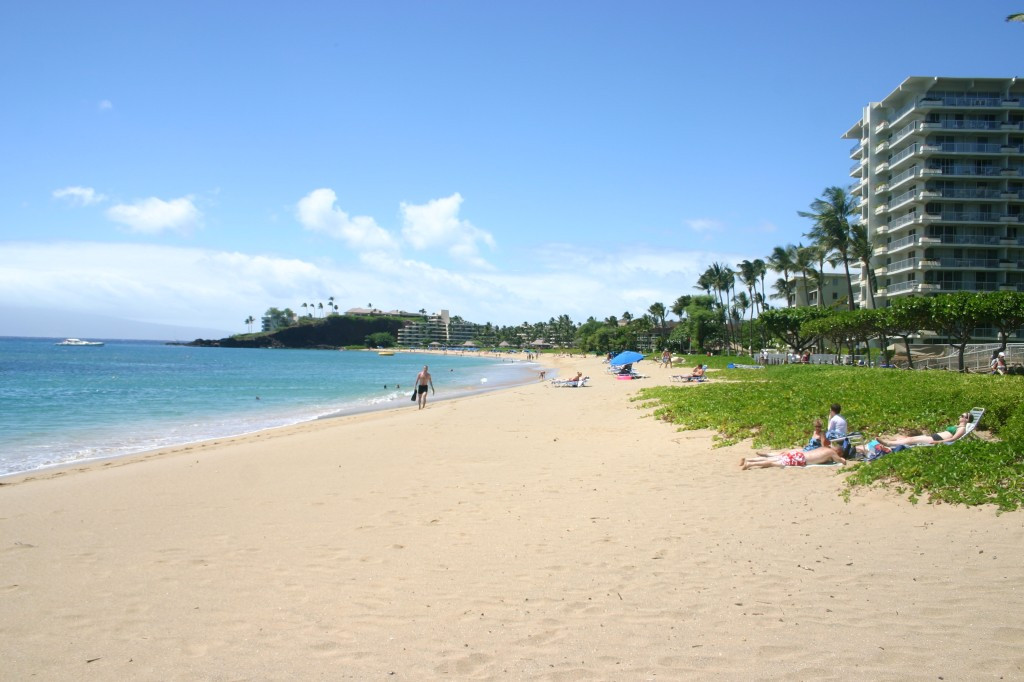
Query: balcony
pixel 966 102
pixel 962 148
pixel 900 288
pixel 903 221
pixel 962 240
pixel 970 193
pixel 969 217
pixel 905 154
pixel 968 124
pixel 969 263
pixel 900 244
pixel 901 266
pixel 968 170
pixel 899 179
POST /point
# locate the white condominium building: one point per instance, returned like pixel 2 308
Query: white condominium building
pixel 939 171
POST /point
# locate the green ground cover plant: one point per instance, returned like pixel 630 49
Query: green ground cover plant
pixel 775 408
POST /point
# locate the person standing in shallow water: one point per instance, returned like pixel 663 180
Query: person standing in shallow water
pixel 423 380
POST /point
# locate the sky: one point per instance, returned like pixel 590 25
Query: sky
pixel 168 169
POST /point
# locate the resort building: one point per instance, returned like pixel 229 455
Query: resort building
pixel 439 329
pixel 804 290
pixel 939 172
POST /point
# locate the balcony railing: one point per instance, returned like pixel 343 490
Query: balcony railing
pixel 902 243
pixel 905 220
pixel 986 171
pixel 968 239
pixel 903 198
pixel 968 124
pixel 901 287
pixel 904 131
pixel 963 193
pixel 964 101
pixel 969 216
pixel 909 151
pixel 905 175
pixel 964 148
pixel 905 264
pixel 968 262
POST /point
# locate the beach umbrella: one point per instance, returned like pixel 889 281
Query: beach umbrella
pixel 626 357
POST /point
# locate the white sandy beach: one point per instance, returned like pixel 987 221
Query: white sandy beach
pixel 533 533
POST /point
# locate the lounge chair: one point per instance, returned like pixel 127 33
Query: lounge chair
pixel 570 383
pixel 976 414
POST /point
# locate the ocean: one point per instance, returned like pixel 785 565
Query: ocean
pixel 65 404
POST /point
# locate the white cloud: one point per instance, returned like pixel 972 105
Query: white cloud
pixel 79 196
pixel 153 215
pixel 437 223
pixel 105 105
pixel 217 290
pixel 317 212
pixel 703 224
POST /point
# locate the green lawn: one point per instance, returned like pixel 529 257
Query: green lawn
pixel 777 405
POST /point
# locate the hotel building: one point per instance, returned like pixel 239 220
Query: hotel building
pixel 939 171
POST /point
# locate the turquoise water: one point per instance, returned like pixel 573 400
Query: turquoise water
pixel 61 404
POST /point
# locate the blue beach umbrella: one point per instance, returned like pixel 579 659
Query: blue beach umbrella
pixel 626 357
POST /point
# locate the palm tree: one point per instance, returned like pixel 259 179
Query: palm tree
pixel 305 305
pixel 320 305
pixel 658 312
pixel 804 265
pixel 861 250
pixel 783 260
pixel 748 278
pixel 743 302
pixel 760 270
pixel 783 289
pixel 249 320
pixel 831 215
pixel 679 306
pixel 704 282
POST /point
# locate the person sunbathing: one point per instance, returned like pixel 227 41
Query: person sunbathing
pixel 795 458
pixel 696 374
pixel 948 434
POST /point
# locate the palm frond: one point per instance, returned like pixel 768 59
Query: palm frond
pixel 1016 17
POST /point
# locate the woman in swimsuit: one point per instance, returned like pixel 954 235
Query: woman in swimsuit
pixel 950 433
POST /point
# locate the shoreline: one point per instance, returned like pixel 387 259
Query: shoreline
pixel 287 419
pixel 536 532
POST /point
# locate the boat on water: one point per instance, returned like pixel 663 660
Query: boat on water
pixel 386 352
pixel 78 342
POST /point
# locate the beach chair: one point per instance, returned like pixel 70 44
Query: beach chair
pixel 570 383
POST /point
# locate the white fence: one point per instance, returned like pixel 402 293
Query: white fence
pixel 977 357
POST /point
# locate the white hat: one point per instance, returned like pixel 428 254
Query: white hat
pixel 1002 354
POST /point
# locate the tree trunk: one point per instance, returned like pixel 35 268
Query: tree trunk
pixel 910 358
pixel 849 282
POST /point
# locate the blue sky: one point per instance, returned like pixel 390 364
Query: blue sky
pixel 193 163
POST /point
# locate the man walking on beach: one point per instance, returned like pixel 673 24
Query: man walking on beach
pixel 423 379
